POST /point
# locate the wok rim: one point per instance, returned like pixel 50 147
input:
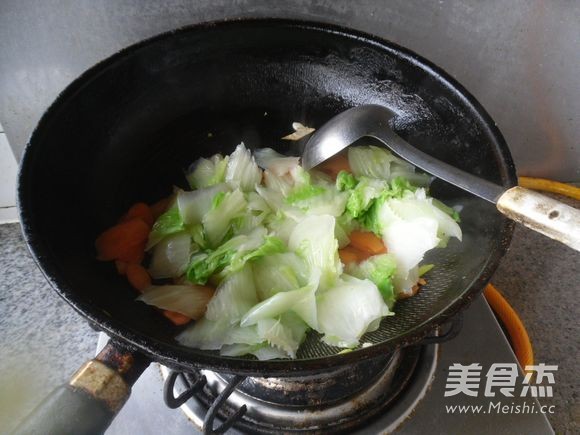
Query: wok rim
pixel 176 356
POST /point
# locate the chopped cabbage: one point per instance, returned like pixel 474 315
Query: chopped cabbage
pixel 270 245
pixel 341 235
pixel 232 255
pixel 301 301
pixel 189 300
pixel 281 184
pixel 313 239
pixel 371 161
pixel 405 280
pixel 410 226
pixel 447 210
pixel 273 198
pixel 408 241
pixel 197 234
pixel 257 204
pixel 266 233
pixel 194 205
pixel 217 221
pixel 304 192
pixel 207 172
pixel 285 332
pixel 234 297
pixel 282 223
pixel 380 269
pixel 412 206
pixel 361 197
pixel 256 214
pixel 345 181
pixel 380 163
pixel 327 200
pixel 346 311
pixel 262 351
pixel 424 268
pixel 274 162
pixel 168 223
pixel 279 273
pixel 213 334
pixel 242 170
pixel 171 256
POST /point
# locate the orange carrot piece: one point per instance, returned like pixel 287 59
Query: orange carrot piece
pixel 138 277
pixel 121 267
pixel 367 242
pixel 121 241
pixel 134 254
pixel 335 164
pixel 177 319
pixel 160 207
pixel 347 255
pixel 350 254
pixel 139 210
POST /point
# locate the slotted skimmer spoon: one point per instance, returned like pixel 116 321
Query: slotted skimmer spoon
pixel 537 212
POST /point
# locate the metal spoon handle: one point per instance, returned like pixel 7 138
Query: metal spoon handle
pixel 542 214
pixel 533 210
pixel 464 180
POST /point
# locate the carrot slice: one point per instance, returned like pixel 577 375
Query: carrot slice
pixel 121 267
pixel 335 164
pixel 367 242
pixel 139 210
pixel 177 319
pixel 138 277
pixel 350 254
pixel 122 241
pixel 134 254
pixel 160 207
pixel 347 255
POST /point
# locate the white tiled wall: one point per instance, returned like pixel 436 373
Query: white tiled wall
pixel 8 169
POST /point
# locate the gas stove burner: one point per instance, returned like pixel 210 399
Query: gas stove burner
pixel 384 390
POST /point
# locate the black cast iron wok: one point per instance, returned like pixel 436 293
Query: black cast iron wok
pixel 125 129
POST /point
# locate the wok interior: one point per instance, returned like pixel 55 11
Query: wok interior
pixel 126 131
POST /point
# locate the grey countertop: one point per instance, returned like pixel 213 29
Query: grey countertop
pixel 43 340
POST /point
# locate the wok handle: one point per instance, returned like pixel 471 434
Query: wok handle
pixel 91 399
pixel 542 214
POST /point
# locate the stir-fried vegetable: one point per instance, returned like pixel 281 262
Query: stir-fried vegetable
pixel 170 257
pixel 234 297
pixel 168 223
pixel 286 250
pixel 313 240
pixel 380 269
pixel 346 311
pixel 190 300
pixel 242 170
pixel 208 172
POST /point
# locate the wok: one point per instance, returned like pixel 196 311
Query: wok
pixel 125 130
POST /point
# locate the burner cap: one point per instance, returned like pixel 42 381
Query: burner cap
pixel 386 389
